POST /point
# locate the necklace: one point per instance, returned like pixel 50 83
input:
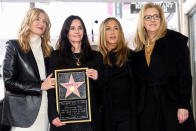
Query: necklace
pixel 78 63
pixel 148 44
pixel 149 47
pixel 148 51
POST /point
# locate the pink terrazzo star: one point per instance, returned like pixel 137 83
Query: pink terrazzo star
pixel 72 86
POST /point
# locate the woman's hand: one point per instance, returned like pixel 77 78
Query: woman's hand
pixel 48 83
pixel 183 115
pixel 92 73
pixel 56 122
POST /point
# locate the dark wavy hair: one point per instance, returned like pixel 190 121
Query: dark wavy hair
pixel 64 45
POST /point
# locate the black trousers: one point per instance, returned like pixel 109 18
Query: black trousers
pixel 78 127
pixel 5 128
pixel 120 120
pixel 73 127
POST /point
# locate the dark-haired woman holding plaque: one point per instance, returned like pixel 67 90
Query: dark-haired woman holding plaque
pixel 73 51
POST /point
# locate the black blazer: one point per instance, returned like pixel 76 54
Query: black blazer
pixel 94 62
pixel 22 82
pixel 168 77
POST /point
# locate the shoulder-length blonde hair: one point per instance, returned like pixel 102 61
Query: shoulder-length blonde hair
pixel 121 50
pixel 24 31
pixel 141 35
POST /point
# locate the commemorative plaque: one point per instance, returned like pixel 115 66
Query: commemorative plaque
pixel 72 95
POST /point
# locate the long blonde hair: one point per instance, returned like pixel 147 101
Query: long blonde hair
pixel 24 31
pixel 122 49
pixel 141 35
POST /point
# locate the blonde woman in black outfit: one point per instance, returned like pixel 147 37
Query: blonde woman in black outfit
pixel 162 68
pixel 118 81
pixel 74 51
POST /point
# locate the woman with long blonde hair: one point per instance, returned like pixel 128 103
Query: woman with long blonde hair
pixel 25 78
pixel 117 77
pixel 161 65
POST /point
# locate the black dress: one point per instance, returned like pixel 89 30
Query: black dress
pixel 94 62
pixel 164 86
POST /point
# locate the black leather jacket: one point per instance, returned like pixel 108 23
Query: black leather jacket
pixel 22 82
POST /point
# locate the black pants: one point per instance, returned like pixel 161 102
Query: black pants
pixel 82 127
pixel 120 120
pixel 4 128
pixel 73 127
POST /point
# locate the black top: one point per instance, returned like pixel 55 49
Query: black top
pixel 95 62
pixel 119 90
pixel 119 84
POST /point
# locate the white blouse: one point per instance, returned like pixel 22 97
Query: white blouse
pixel 35 44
